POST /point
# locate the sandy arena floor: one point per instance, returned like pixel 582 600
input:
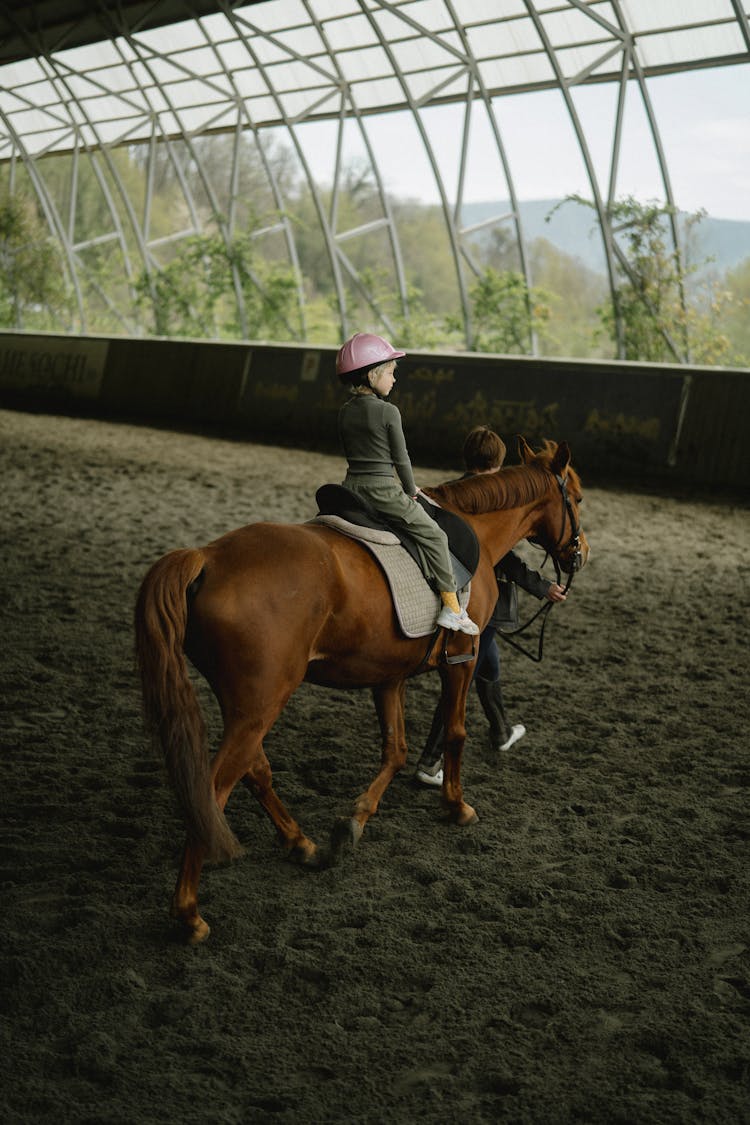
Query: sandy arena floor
pixel 580 955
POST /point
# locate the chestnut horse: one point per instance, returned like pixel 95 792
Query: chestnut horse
pixel 269 605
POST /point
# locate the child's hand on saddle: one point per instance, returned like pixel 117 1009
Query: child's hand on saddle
pixel 556 593
pixel 427 498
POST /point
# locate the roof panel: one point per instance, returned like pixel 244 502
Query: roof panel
pixel 392 26
pixel 679 47
pixel 234 55
pixel 370 62
pixel 86 58
pixel 264 50
pixel 421 85
pixel 181 37
pixel 263 110
pixel 38 93
pixel 105 108
pixel 117 79
pixel 275 43
pixel 266 16
pixel 503 39
pixel 423 54
pixel 516 73
pixel 352 31
pixel 487 11
pixel 432 15
pixel 572 26
pixel 293 75
pixel 380 92
pixel 303 41
pixel 652 15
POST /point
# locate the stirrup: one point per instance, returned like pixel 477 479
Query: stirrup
pixel 459 657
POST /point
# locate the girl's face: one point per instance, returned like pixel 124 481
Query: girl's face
pixel 383 381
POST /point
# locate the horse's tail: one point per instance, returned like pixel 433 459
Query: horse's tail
pixel 171 708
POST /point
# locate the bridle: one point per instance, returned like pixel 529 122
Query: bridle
pixel 573 546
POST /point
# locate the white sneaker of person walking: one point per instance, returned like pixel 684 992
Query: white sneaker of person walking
pixel 433 775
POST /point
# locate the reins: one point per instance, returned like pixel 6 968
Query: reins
pixel 543 611
pixel 574 544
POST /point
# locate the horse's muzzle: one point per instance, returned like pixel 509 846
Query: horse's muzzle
pixel 575 556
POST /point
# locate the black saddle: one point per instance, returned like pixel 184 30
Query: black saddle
pixel 337 500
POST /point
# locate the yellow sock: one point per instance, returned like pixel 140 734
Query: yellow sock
pixel 449 598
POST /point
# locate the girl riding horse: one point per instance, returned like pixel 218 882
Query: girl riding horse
pixel 373 442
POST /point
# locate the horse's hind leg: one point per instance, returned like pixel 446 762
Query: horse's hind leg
pixel 185 897
pixel 258 779
pixel 240 757
pixel 389 704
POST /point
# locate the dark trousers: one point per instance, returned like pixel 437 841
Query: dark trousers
pixel 486 680
pixel 487 666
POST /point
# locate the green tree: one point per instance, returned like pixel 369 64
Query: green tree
pixel 413 324
pixel 505 312
pixel 428 260
pixel 732 309
pixel 195 294
pixel 650 295
pixel 573 293
pixel 33 293
pixel 661 318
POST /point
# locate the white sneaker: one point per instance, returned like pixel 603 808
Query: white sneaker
pixel 516 732
pixel 459 622
pixel 430 775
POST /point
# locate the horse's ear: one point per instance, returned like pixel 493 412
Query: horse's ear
pixel 525 452
pixel 561 460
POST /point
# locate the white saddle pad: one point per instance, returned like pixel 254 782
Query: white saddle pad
pixel 416 605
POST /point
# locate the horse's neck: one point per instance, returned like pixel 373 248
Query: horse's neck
pixel 500 531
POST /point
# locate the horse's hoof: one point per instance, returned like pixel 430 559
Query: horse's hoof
pixel 194 931
pixel 305 853
pixel 199 933
pixel 461 814
pixel 466 815
pixel 191 928
pixel 345 836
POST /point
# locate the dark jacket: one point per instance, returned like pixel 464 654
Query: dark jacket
pixel 512 570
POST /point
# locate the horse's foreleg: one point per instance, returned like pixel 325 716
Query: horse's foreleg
pixel 456 682
pixel 389 704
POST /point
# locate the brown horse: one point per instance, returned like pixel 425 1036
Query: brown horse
pixel 267 606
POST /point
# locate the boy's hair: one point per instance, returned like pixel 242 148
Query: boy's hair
pixel 483 449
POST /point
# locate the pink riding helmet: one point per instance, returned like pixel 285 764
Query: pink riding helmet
pixel 364 350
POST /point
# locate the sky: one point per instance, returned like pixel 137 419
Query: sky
pixel 703 118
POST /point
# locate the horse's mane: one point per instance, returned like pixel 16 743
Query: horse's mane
pixel 489 492
pixel 510 487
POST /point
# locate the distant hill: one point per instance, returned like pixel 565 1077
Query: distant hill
pixel 572 229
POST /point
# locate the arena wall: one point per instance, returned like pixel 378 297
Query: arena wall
pixel 624 420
